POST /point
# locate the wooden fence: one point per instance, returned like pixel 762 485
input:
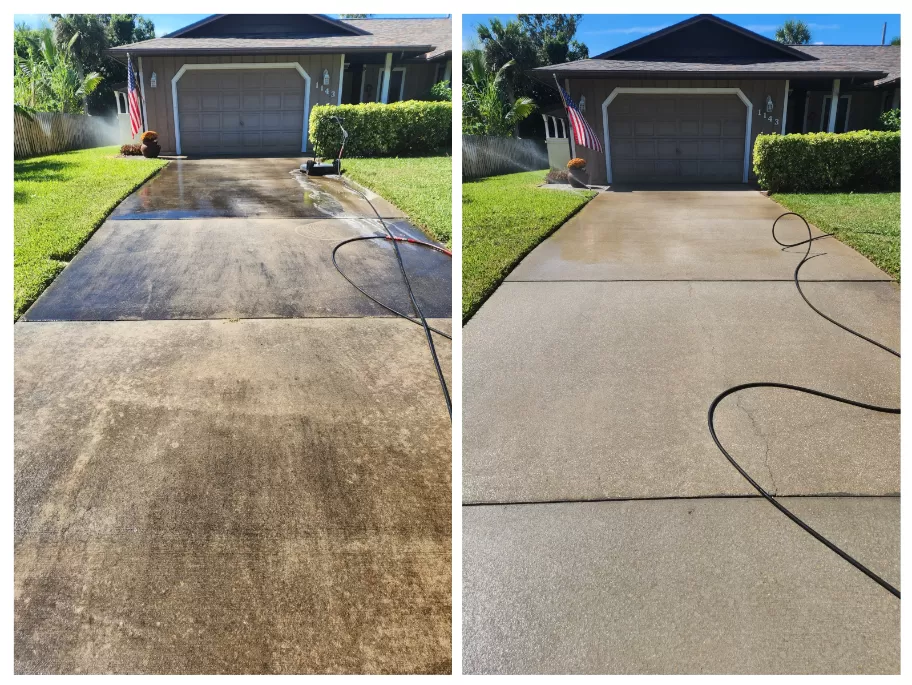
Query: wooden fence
pixel 50 132
pixel 493 155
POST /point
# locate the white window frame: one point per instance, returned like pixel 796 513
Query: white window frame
pixel 679 91
pixel 829 96
pixel 383 76
pixel 236 66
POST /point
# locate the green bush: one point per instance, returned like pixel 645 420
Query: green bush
pixel 889 120
pixel 441 92
pixel 828 162
pixel 376 130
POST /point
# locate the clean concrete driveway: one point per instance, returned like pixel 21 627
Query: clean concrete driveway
pixel 588 375
pixel 227 459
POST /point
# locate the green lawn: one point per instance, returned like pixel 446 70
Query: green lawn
pixel 59 201
pixel 868 222
pixel 422 187
pixel 503 218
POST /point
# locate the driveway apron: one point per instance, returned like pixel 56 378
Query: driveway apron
pixel 227 459
pixel 588 375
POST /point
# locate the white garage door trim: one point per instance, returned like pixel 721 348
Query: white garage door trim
pixel 678 91
pixel 235 66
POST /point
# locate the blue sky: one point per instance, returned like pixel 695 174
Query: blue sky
pixel 166 23
pixel 601 32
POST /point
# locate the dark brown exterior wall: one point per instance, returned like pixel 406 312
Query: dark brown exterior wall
pixel 159 104
pixel 418 80
pixel 864 112
pixel 864 109
pixel 596 91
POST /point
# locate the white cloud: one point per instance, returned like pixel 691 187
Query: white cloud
pixel 761 28
pixel 628 30
pixel 818 42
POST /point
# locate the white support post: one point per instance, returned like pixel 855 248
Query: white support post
pixel 572 142
pixel 363 79
pixel 142 92
pixel 387 70
pixel 341 75
pixel 547 127
pixel 834 105
pixel 446 73
pixel 563 128
pixel 785 106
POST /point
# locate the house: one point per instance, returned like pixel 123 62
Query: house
pixel 245 83
pixel 686 103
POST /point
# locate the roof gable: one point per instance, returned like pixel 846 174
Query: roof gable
pixel 705 38
pixel 267 26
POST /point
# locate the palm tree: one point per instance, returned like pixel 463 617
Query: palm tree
pixel 485 110
pixel 50 80
pixel 794 32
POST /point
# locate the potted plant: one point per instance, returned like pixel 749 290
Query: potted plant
pixel 576 170
pixel 150 147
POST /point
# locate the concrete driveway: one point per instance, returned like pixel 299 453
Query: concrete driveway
pixel 604 531
pixel 227 459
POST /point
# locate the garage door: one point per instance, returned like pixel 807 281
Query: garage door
pixel 677 138
pixel 248 111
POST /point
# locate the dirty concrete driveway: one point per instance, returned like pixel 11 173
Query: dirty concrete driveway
pixel 588 465
pixel 227 459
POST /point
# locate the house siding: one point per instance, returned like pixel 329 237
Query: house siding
pixel 159 103
pixel 596 91
pixel 418 80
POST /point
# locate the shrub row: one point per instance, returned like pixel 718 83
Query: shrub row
pixel 828 162
pixel 376 130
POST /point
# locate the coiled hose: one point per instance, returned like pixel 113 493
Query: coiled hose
pixel 420 320
pixel 808 391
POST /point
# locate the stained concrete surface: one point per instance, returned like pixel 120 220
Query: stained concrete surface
pixel 222 268
pixel 263 495
pixel 686 235
pixel 242 187
pixel 684 586
pixel 577 390
pixel 209 496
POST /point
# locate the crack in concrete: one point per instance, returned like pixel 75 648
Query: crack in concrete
pixel 760 432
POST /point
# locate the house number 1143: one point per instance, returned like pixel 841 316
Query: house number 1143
pixel 767 117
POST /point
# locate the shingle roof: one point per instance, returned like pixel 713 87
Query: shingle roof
pixel 884 58
pixel 863 61
pixel 436 32
pixel 431 37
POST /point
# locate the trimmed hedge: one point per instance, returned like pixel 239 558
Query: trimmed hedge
pixel 376 130
pixel 828 162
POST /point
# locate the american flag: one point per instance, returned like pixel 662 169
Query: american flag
pixel 133 100
pixel 582 132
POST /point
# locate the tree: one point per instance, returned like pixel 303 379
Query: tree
pixel 533 40
pixel 50 79
pixel 553 34
pixel 793 32
pixel 25 40
pixel 894 41
pixel 485 109
pixel 97 33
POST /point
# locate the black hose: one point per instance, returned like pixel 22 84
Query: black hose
pixel 371 297
pixel 422 320
pixel 809 391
